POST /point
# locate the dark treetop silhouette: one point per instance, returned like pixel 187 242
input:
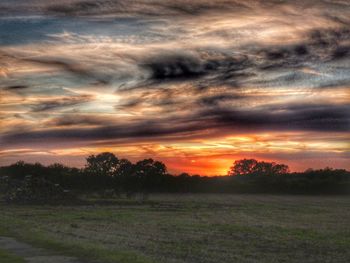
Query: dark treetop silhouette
pixel 107 172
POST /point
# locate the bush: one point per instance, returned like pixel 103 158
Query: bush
pixel 35 190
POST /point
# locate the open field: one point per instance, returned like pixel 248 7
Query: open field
pixel 190 228
pixel 7 257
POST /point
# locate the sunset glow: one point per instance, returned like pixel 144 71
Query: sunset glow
pixel 195 84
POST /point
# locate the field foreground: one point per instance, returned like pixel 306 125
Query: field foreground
pixel 190 228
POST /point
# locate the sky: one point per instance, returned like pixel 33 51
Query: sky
pixel 196 84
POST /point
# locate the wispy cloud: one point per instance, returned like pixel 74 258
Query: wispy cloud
pixel 82 73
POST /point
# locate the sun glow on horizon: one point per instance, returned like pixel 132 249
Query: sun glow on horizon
pixel 205 156
pixel 196 87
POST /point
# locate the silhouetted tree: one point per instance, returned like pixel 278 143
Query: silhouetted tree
pixel 149 174
pixel 149 167
pixel 105 173
pixel 103 164
pixel 125 168
pixel 254 167
pixel 243 167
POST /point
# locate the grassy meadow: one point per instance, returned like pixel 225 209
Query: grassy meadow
pixel 6 257
pixel 194 228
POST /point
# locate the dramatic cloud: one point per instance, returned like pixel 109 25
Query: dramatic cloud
pixel 175 80
pixel 319 118
pixel 46 105
pixel 17 87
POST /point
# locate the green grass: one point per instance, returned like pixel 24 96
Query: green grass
pixel 6 257
pixel 191 228
pixel 23 232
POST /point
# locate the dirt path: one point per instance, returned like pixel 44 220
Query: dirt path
pixel 32 254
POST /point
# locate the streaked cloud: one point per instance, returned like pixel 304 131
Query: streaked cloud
pixel 158 78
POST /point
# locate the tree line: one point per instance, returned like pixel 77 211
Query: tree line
pixel 105 171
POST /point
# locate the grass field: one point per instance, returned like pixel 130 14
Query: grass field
pixel 6 257
pixel 191 228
